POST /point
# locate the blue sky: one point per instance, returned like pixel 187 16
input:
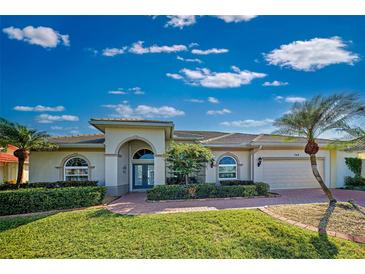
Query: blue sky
pixel 233 73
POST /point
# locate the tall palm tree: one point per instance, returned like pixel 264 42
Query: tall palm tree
pixel 24 139
pixel 312 118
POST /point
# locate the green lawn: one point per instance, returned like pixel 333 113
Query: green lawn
pixel 97 233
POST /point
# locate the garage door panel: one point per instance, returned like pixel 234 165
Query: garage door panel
pixel 290 174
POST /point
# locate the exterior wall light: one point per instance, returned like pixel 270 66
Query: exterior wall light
pixel 259 161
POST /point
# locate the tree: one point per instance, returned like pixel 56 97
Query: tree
pixel 24 139
pixel 185 159
pixel 312 118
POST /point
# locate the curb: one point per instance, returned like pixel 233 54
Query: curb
pixel 344 236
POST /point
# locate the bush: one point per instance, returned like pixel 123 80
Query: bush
pixel 43 199
pixel 236 182
pixel 354 164
pixel 58 184
pixel 354 181
pixel 201 191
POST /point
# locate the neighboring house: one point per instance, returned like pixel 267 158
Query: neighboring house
pixel 129 156
pixel 9 165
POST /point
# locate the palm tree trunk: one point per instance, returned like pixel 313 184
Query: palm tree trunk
pixel 20 172
pixel 186 179
pixel 318 177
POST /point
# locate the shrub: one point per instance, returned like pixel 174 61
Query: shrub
pixel 354 164
pixel 58 184
pixel 236 182
pixel 201 191
pixel 354 181
pixel 262 189
pixel 43 199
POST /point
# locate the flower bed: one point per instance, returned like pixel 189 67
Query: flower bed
pixel 43 199
pixel 201 191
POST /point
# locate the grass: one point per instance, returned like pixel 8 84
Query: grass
pixel 97 233
pixel 344 219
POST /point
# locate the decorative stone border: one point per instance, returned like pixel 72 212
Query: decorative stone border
pixel 344 236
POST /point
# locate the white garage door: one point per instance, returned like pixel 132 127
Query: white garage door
pixel 290 174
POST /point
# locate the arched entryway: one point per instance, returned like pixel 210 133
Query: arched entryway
pixel 136 165
pixel 143 170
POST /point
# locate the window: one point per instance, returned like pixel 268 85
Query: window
pixel 227 168
pixel 144 154
pixel 76 169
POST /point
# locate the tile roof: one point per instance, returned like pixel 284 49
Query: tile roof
pixel 79 139
pixel 202 135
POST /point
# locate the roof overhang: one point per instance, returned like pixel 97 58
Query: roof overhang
pixel 75 145
pixel 101 125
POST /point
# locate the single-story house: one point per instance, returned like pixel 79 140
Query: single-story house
pixel 128 156
pixel 9 165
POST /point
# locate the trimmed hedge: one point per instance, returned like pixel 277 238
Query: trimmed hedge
pixel 354 181
pixel 58 184
pixel 44 199
pixel 201 191
pixel 236 182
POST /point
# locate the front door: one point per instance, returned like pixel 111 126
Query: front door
pixel 143 175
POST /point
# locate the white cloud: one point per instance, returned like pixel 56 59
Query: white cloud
pixel 236 18
pixel 110 52
pixel 193 44
pixel 42 36
pixel 47 119
pixel 213 100
pixel 248 123
pixel 137 48
pixel 145 111
pixel 275 84
pixel 174 76
pixel 137 90
pixel 209 51
pixel 205 78
pixel 218 112
pixel 117 92
pixel 195 60
pixel 195 100
pixel 290 99
pixel 311 55
pixel 180 21
pixel 39 108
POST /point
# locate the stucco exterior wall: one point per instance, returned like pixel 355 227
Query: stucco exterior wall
pixel 243 169
pixel 47 166
pixel 341 168
pixel 289 153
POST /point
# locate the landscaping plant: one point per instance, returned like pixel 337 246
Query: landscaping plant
pixel 316 116
pixel 186 159
pixel 25 139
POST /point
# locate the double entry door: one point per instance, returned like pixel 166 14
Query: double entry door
pixel 143 176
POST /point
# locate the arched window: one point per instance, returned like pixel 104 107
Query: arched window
pixel 227 168
pixel 143 154
pixel 76 169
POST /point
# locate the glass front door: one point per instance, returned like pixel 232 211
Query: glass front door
pixel 143 176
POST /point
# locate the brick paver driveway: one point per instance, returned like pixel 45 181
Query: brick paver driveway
pixel 135 203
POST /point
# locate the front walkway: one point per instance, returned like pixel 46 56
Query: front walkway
pixel 135 203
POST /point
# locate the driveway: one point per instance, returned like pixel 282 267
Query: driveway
pixel 135 203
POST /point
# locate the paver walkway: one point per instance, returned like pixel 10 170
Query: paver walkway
pixel 135 203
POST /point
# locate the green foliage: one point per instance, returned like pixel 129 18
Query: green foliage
pixel 58 184
pixel 201 191
pixel 236 182
pixel 23 137
pixel 354 164
pixel 41 199
pixel 186 159
pixel 313 117
pixel 217 234
pixel 354 181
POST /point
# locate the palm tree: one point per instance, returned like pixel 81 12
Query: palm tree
pixel 24 139
pixel 312 118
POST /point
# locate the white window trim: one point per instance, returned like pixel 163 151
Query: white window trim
pixel 227 165
pixel 65 167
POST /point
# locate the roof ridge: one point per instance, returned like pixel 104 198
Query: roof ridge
pixel 218 137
